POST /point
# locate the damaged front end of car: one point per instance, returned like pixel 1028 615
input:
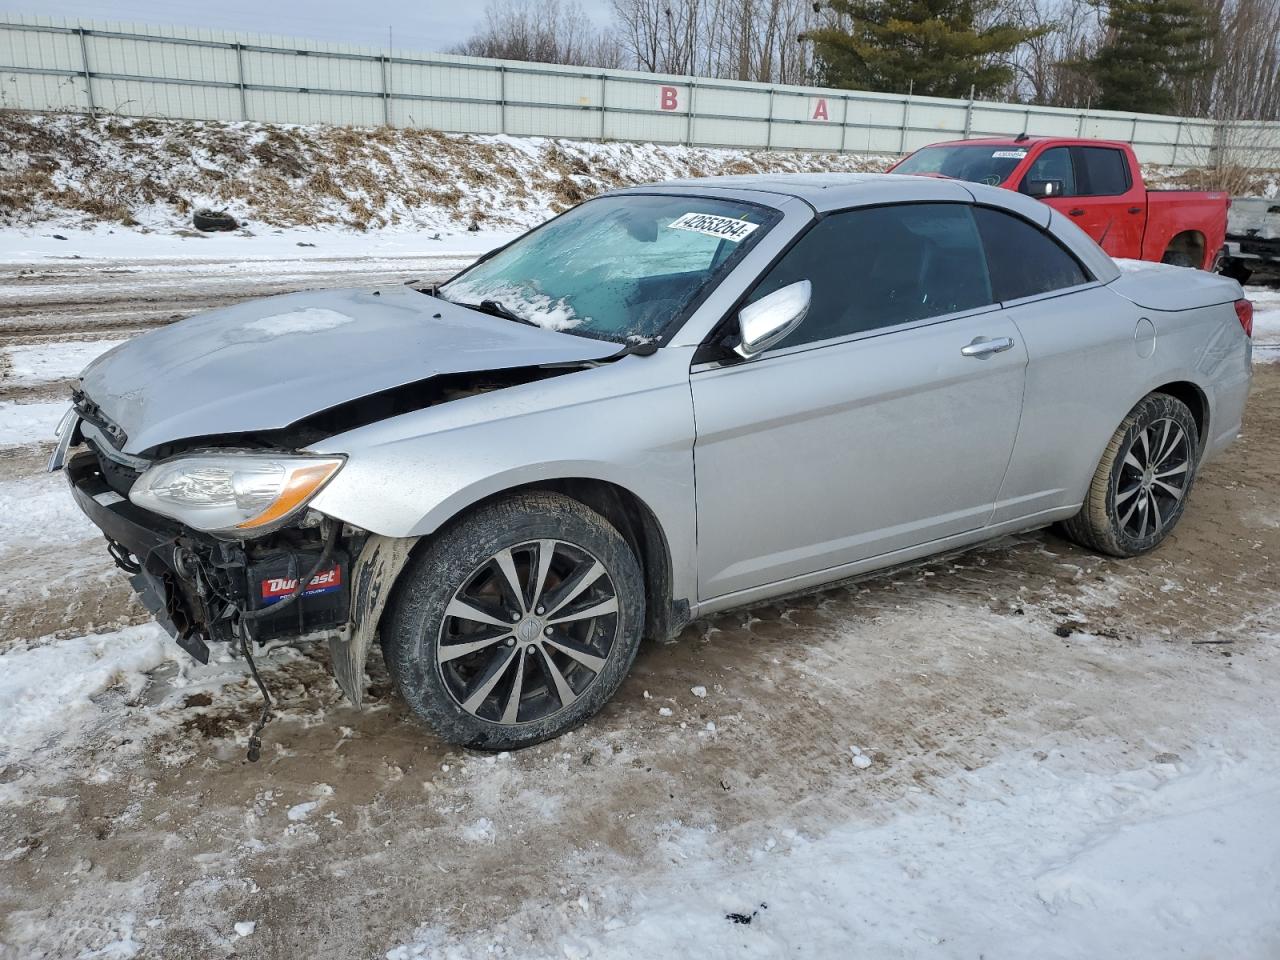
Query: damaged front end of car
pixel 221 547
pixel 219 542
pixel 196 449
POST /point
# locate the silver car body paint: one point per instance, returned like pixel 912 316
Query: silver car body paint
pixel 265 364
pixel 795 468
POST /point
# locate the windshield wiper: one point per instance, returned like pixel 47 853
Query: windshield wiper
pixel 497 308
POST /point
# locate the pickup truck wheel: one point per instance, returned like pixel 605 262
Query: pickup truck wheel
pixel 1179 258
pixel 517 623
pixel 1141 485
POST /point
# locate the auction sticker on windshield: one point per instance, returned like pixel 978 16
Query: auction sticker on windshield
pixel 726 228
pixel 1009 154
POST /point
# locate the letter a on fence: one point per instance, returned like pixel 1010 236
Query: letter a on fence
pixel 669 99
pixel 820 111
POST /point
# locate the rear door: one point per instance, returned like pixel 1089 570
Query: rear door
pixel 1116 206
pixel 886 420
pixel 1099 194
pixel 1082 351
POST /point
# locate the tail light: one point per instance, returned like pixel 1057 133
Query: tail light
pixel 1244 310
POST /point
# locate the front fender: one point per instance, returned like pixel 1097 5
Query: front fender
pixel 628 423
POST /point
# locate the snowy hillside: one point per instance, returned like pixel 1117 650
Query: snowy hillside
pixel 75 171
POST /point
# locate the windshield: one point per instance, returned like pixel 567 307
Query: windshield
pixel 973 162
pixel 618 268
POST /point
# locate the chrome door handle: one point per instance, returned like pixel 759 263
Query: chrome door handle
pixel 982 347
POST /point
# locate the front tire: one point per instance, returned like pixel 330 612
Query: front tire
pixel 1141 485
pixel 517 623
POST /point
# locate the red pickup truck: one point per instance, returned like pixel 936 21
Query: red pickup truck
pixel 1095 182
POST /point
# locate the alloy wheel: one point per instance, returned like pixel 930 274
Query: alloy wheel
pixel 528 632
pixel 1153 478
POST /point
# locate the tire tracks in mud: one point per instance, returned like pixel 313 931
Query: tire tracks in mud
pixel 98 299
pixel 932 670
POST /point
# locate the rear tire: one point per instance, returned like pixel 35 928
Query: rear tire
pixel 517 623
pixel 1179 258
pixel 1142 482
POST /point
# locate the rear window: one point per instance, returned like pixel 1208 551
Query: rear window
pixel 1105 172
pixel 1023 260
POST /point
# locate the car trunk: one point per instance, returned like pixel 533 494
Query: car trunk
pixel 1180 288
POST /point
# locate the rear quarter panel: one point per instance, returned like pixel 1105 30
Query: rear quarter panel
pixel 1087 370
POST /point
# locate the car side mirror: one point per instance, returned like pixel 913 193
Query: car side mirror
pixel 772 317
pixel 1043 189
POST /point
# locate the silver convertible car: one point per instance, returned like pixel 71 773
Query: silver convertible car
pixel 667 401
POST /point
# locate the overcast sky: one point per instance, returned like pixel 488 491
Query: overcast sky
pixel 427 25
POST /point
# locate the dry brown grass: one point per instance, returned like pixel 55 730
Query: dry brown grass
pixel 111 169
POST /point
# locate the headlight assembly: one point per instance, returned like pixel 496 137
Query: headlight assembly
pixel 233 494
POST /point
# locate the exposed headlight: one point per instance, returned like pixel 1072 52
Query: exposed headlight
pixel 233 494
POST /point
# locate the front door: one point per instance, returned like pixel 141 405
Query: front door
pixel 885 421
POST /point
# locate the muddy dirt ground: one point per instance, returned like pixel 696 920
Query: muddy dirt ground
pixel 359 828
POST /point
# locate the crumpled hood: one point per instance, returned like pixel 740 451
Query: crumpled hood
pixel 265 364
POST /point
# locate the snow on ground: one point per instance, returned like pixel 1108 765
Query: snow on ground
pixel 47 690
pixel 40 363
pixel 23 424
pixel 1024 858
pixel 315 249
pixel 1266 323
pixel 921 765
pixel 37 508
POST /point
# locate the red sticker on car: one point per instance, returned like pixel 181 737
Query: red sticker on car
pixel 277 588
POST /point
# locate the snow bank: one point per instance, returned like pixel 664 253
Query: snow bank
pixel 66 171
pixel 47 690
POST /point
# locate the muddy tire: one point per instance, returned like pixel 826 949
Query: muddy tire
pixel 1141 485
pixel 517 623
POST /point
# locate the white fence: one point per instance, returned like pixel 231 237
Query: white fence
pixel 134 70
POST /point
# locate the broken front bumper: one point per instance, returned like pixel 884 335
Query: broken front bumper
pixel 194 585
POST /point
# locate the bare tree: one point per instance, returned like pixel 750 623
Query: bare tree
pixel 543 32
pixel 1246 84
pixel 1064 32
pixel 735 39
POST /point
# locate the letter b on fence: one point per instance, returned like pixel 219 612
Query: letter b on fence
pixel 668 98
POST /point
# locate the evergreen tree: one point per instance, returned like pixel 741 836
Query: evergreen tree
pixel 934 47
pixel 1152 50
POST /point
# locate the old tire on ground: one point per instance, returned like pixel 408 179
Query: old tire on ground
pixel 212 221
pixel 516 623
pixel 1141 485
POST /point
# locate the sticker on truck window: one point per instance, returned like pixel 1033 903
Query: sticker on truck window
pixel 1009 154
pixel 725 228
